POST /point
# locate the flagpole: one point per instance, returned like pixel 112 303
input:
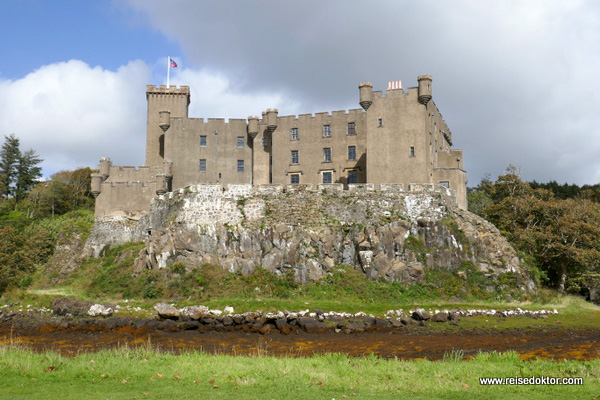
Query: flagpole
pixel 168 70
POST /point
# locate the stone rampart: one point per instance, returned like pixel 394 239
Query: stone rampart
pixel 310 205
pixel 132 174
pixel 129 199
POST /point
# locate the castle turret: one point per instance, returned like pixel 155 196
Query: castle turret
pixel 161 184
pixel 424 89
pixel 252 127
pixel 366 94
pixel 104 168
pixel 271 117
pixel 164 120
pixel 168 170
pixel 96 185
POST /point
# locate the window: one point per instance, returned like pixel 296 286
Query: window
pixel 326 154
pixel 294 134
pixel 351 152
pixel 445 184
pixel 240 142
pixel 264 142
pixel 294 156
pixel 379 121
pixel 202 141
pixel 203 165
pixel 327 177
pixel 326 130
pixel 351 128
pixel 352 176
pixel 240 166
pixel 295 179
pixel 412 151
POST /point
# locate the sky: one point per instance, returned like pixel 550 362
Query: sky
pixel 514 79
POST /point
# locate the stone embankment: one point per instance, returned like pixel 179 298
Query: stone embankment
pixel 390 233
pixel 76 313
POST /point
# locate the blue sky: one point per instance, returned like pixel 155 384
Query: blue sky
pixel 101 33
pixel 515 80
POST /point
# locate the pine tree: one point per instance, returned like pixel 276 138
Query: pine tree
pixel 28 173
pixel 9 158
pixel 19 171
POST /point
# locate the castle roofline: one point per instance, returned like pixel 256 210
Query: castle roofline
pixel 171 89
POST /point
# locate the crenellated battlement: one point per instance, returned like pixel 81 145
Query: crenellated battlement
pixel 163 89
pixel 323 115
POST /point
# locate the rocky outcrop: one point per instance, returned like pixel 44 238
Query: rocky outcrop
pixel 387 234
pixel 70 252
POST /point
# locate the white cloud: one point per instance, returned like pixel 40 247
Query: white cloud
pixel 72 114
pixel 215 96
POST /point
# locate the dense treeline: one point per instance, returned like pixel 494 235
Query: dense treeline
pixel 556 227
pixel 566 191
pixel 34 214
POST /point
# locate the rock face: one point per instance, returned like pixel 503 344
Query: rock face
pixel 390 233
pixel 68 255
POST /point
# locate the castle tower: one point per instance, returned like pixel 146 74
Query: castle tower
pixel 164 104
pixel 424 89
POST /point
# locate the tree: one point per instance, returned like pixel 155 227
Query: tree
pixel 19 172
pixel 64 192
pixel 28 173
pixel 562 235
pixel 9 157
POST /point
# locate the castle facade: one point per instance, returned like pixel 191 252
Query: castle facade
pixel 397 137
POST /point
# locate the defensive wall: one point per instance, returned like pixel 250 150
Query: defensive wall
pixel 125 190
pixel 256 206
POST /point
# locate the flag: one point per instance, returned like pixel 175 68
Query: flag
pixel 172 63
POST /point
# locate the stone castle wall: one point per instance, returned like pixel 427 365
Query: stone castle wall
pixel 306 205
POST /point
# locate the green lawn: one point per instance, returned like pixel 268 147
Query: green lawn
pixel 149 374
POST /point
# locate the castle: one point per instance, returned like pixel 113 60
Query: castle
pixel 398 137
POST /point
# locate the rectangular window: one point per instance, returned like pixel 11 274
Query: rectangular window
pixel 351 152
pixel 326 130
pixel 202 165
pixel 326 154
pixel 412 151
pixel 351 128
pixel 351 176
pixel 240 166
pixel 202 141
pixel 294 156
pixel 379 121
pixel 294 134
pixel 295 179
pixel 445 184
pixel 327 177
pixel 240 142
pixel 264 142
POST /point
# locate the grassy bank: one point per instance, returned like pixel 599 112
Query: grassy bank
pixel 147 373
